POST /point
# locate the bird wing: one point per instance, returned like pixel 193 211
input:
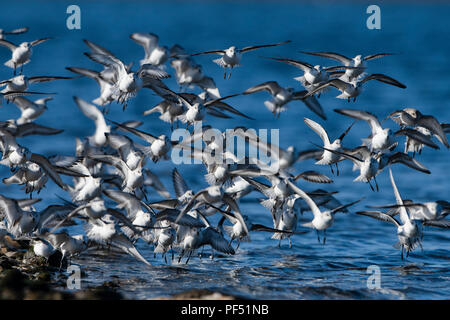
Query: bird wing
pixel 111 160
pixel 124 200
pixel 216 241
pixel 179 183
pixel 7 44
pixel 122 242
pixel 152 72
pixel 148 40
pixel 251 48
pixel 332 55
pixel 141 134
pixel 91 111
pixel 345 206
pixel 271 86
pixel 379 216
pixel 151 179
pixel 375 125
pixel 17 31
pixel 337 83
pixel 305 67
pixel 186 220
pixel 263 146
pixel 36 42
pixel 108 61
pixel 404 217
pixel 23 103
pixel 48 168
pixel 434 126
pixel 311 102
pixel 417 136
pixel 376 56
pixel 10 209
pixel 39 79
pixel 31 128
pixel 313 176
pixel 437 223
pixel 314 208
pixel 221 52
pixel 383 78
pixel 317 128
pixel 400 157
pixel 224 106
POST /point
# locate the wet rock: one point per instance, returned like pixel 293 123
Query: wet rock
pixel 103 292
pixel 200 294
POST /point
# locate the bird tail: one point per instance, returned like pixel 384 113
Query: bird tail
pixel 9 64
pixel 220 62
pixel 360 178
pixel 308 225
pixel 279 236
pixel 99 101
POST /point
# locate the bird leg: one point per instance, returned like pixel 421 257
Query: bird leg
pixel 231 240
pixel 368 181
pixel 290 242
pixel 324 236
pixel 376 183
pixel 318 236
pixel 337 169
pixel 331 167
pixel 189 256
pixel 181 256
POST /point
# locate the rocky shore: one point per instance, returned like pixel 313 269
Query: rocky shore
pixel 25 276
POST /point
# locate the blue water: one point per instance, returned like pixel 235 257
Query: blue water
pixel 419 34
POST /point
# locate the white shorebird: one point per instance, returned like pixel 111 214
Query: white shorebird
pixel 42 248
pixel 21 54
pixel 282 96
pixel 382 139
pixel 126 83
pixel 354 88
pixel 92 112
pixel 408 230
pixel 106 87
pixel 188 73
pixel 154 54
pixel 131 179
pixel 424 124
pixel 68 245
pixel 30 110
pixel 170 111
pixel 195 238
pixel 20 83
pixel 431 213
pixel 159 146
pixel 322 219
pixel 358 62
pixel 232 56
pixel 313 76
pixel 328 158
